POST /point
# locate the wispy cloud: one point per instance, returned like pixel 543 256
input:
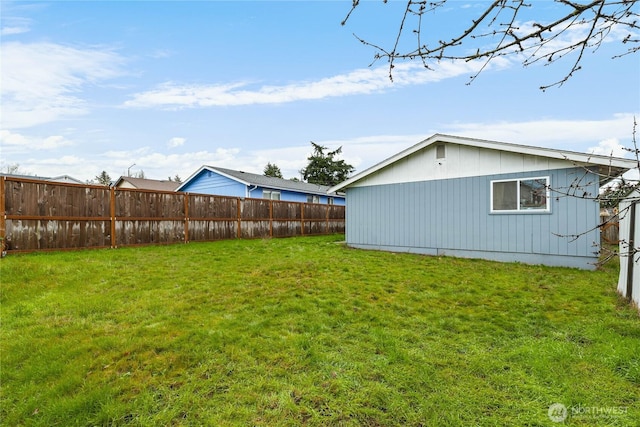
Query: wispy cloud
pixel 610 147
pixel 176 142
pixel 15 143
pixel 11 30
pixel 358 82
pixel 43 82
pixel 12 25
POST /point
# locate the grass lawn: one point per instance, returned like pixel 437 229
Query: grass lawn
pixel 306 331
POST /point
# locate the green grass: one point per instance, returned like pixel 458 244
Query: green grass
pixel 305 331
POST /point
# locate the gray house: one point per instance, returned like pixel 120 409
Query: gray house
pixel 474 198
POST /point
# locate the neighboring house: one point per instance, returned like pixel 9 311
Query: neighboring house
pixel 227 182
pixel 65 178
pixel 146 184
pixel 473 198
pixel 62 178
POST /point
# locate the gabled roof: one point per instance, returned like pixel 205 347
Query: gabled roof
pixel 252 179
pixel 148 184
pixel 65 178
pixel 610 167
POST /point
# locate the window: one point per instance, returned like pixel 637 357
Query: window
pixel 520 195
pixel 271 194
pixel 440 152
pixel 313 199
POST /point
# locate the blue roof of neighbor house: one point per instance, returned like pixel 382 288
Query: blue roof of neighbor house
pixel 249 178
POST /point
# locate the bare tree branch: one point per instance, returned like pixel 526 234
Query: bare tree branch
pixel 508 33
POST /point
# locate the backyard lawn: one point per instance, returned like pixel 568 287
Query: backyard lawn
pixel 306 331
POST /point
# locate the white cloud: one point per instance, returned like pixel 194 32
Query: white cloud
pixel 609 147
pixel 578 135
pixel 159 165
pixel 176 142
pixel 41 82
pixel 9 31
pixel 358 82
pixel 13 25
pixel 361 152
pixel 15 143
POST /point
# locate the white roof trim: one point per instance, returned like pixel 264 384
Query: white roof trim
pixel 581 158
pixel 210 169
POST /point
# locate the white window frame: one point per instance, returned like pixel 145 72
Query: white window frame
pixel 273 194
pixel 519 208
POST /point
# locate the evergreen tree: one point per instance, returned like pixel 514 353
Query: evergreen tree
pixel 272 170
pixel 324 169
pixel 103 178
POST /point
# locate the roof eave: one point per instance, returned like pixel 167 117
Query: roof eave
pixel 614 164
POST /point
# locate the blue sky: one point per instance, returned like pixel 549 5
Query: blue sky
pixel 170 86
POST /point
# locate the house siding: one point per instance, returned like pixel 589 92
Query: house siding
pixel 293 196
pixel 460 162
pixel 208 182
pixel 452 217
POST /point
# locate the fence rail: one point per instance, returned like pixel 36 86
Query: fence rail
pixel 41 215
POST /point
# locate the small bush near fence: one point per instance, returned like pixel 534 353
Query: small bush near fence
pixel 42 215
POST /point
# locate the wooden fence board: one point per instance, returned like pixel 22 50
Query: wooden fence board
pixel 292 211
pixel 286 228
pixel 148 232
pixel 207 206
pixel 41 215
pixel 23 235
pixel 202 231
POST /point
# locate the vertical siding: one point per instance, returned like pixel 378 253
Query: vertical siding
pixel 208 182
pixel 454 214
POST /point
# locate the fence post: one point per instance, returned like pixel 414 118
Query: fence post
pixel 328 208
pixel 3 215
pixel 302 205
pixel 632 252
pixel 270 218
pixel 239 213
pixel 186 217
pixel 112 214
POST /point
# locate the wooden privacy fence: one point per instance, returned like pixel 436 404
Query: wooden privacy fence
pixel 609 231
pixel 42 215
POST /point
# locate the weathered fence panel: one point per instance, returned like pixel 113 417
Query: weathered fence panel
pixel 42 215
pixel 54 234
pixel 207 230
pixel 148 204
pixel 148 232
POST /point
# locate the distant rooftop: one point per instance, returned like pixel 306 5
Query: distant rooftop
pixel 60 178
pixel 148 184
